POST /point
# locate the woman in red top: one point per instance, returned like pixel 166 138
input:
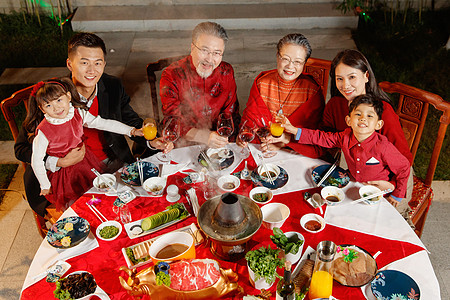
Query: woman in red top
pixel 351 76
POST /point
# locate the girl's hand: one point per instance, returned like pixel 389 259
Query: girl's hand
pixel 136 132
pixel 45 192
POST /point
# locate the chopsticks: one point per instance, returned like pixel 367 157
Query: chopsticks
pixel 100 177
pixel 97 213
pixel 265 168
pixel 140 170
pixel 208 161
pixel 375 195
pixel 328 173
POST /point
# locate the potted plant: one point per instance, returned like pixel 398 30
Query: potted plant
pixel 290 242
pixel 262 266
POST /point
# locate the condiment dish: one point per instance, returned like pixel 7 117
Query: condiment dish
pixel 332 195
pixel 228 183
pixel 273 169
pixel 105 224
pixel 101 186
pixel 154 186
pixel 311 223
pixel 367 190
pixel 260 191
pixel 274 215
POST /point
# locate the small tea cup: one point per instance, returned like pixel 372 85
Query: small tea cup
pixel 332 195
pixel 154 186
pixel 100 184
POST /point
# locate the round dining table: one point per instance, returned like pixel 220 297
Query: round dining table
pixel 379 229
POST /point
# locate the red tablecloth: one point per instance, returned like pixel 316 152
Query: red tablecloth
pixel 104 261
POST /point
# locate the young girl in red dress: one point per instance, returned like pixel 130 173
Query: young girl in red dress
pixel 61 130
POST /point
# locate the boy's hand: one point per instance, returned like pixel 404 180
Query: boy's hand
pixel 381 184
pixel 136 132
pixel 45 192
pixel 392 201
pixel 286 124
pixel 285 138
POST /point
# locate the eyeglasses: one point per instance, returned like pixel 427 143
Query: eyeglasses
pixel 206 52
pixel 286 61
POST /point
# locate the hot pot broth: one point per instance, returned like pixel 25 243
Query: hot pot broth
pixel 171 251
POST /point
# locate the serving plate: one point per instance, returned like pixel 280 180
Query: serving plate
pixel 130 174
pixel 279 182
pixel 392 284
pixel 221 158
pixel 338 178
pixel 68 232
pixel 359 249
pixel 137 224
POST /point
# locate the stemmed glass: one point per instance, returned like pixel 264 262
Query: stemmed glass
pixel 149 129
pixel 170 133
pixel 225 126
pixel 247 134
pixel 263 132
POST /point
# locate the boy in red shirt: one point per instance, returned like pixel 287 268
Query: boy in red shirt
pixel 369 155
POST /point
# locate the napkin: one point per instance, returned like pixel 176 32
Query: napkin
pixel 47 255
pixel 193 200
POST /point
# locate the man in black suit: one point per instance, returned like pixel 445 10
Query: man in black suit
pixel 105 96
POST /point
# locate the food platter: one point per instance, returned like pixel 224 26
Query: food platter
pixel 363 269
pixel 130 174
pixel 220 158
pixel 279 182
pixel 392 284
pixel 338 178
pixel 68 232
pixel 134 229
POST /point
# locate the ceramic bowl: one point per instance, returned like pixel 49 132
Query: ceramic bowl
pixel 108 223
pixel 228 183
pixel 154 186
pixel 101 186
pixel 272 168
pixel 261 190
pixel 332 195
pixel 306 220
pixel 274 215
pixel 259 284
pixel 367 190
pixel 170 239
pixel 294 236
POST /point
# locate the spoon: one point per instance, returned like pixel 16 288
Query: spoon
pixel 318 200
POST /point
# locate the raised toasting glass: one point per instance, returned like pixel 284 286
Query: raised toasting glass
pixel 246 135
pixel 225 126
pixel 263 132
pixel 170 133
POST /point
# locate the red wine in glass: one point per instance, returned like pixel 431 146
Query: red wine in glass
pixel 225 126
pixel 263 131
pixel 225 131
pixel 246 136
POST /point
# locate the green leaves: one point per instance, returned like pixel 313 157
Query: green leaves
pixel 264 263
pixel 281 241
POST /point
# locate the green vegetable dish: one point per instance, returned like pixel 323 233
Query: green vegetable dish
pixel 173 212
pixel 264 263
pixel 260 197
pixel 108 232
pixel 291 245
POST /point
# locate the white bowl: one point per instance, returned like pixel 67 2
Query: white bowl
pixel 271 168
pixel 293 258
pixel 332 191
pixel 312 217
pixel 261 190
pixel 274 215
pixel 154 186
pixel 369 190
pixel 108 223
pixel 259 284
pixel 101 186
pixel 228 183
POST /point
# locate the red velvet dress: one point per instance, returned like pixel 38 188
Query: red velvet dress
pixel 68 183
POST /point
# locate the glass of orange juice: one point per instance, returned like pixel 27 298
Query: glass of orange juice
pixel 322 281
pixel 276 130
pixel 149 129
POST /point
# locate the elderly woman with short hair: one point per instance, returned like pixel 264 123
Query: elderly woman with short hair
pixel 289 91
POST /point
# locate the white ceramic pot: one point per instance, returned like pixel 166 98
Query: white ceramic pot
pixel 258 284
pixel 293 258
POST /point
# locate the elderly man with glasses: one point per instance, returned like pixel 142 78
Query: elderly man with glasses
pixel 199 87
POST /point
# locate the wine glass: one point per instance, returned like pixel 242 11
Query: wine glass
pixel 263 132
pixel 247 134
pixel 225 126
pixel 170 133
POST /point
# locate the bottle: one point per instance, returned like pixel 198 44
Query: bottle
pixel 322 281
pixel 286 287
pixel 245 173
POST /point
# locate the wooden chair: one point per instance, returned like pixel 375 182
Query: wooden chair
pixel 412 110
pixel 320 70
pixel 7 106
pixel 151 77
